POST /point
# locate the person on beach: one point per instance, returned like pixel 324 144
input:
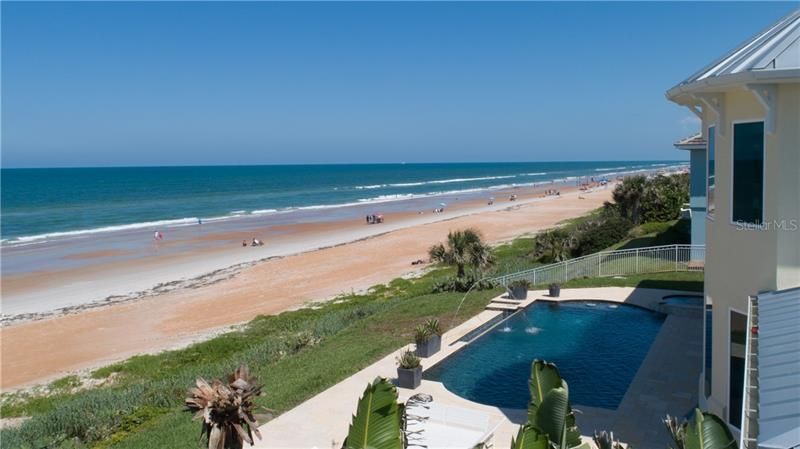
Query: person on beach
pixel 158 236
pixel 244 243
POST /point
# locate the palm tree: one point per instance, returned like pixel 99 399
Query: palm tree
pixel 226 409
pixel 555 246
pixel 463 248
pixel 628 196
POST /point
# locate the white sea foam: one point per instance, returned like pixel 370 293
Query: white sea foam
pixel 448 181
pixel 384 198
pixel 483 178
pixel 536 174
pixel 83 232
pixel 263 211
pixel 407 184
pixel 610 169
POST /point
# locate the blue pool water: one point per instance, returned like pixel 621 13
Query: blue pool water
pixel 597 346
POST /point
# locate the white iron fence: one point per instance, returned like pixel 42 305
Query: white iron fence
pixel 652 259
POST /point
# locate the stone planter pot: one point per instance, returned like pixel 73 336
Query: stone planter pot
pixel 409 378
pixel 429 347
pixel 555 290
pixel 519 292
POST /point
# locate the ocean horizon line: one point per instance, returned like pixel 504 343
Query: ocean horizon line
pixel 326 164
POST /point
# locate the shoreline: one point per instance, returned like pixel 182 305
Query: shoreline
pixel 104 335
pixel 25 299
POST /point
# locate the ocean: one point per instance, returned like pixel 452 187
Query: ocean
pixel 44 204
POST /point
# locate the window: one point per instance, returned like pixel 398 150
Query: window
pixel 748 172
pixel 711 171
pixel 708 349
pixel 738 334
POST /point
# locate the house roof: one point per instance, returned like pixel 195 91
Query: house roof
pixel 693 142
pixel 770 56
pixel 779 369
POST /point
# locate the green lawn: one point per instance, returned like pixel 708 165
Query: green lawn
pixel 680 280
pixel 295 355
pixel 656 234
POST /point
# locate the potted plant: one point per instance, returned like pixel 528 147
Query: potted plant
pixel 555 290
pixel 409 370
pixel 428 338
pixel 519 289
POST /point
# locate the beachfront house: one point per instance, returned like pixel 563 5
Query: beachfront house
pixel 749 104
pixel 696 146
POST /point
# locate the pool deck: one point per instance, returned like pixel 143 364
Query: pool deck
pixel 667 382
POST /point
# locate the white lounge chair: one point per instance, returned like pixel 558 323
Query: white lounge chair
pixel 436 426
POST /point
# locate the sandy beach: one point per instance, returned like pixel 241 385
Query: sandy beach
pixel 308 262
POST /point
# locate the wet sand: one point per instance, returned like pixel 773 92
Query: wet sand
pixel 38 351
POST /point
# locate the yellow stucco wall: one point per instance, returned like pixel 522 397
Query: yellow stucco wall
pixel 788 197
pixel 742 262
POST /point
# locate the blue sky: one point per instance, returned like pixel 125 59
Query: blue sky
pixel 95 84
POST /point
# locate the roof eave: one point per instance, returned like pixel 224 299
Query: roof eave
pixel 682 93
pixel 689 147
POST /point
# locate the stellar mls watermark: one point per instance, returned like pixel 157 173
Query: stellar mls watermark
pixel 791 225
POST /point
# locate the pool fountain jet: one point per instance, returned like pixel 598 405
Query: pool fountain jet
pixel 453 320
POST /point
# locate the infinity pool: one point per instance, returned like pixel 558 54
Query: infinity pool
pixel 597 346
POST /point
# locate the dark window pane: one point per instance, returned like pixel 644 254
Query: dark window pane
pixel 711 170
pixel 738 332
pixel 708 349
pixel 737 389
pixel 748 172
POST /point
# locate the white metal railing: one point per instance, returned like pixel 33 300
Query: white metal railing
pixel 749 424
pixel 652 259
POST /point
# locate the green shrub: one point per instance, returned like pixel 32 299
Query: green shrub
pixel 652 227
pixel 555 245
pixel 601 235
pixel 641 199
pixel 462 284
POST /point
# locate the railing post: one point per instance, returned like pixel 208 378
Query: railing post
pixel 637 260
pixel 676 257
